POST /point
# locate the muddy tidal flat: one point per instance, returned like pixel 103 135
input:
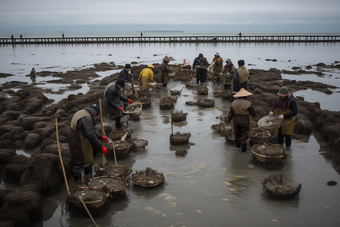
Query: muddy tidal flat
pixel 213 184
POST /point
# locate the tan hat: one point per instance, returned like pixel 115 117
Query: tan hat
pixel 242 93
pixel 166 58
pixel 151 66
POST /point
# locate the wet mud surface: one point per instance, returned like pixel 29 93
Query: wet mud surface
pixel 27 122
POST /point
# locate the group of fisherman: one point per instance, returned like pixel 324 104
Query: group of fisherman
pixel 84 139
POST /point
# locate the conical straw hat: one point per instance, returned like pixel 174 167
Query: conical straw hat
pixel 242 93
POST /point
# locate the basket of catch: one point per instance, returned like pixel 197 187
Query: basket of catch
pixel 147 178
pixel 269 152
pixel 116 186
pixel 279 187
pixel 95 199
pixel 270 122
pixel 133 110
pixel 226 78
pixel 117 170
pixel 259 135
pixel 179 138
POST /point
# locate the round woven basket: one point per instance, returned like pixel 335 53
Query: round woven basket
pixel 147 184
pixel 264 158
pixel 270 122
pixel 90 204
pixel 137 111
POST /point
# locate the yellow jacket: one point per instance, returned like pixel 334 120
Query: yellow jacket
pixel 146 76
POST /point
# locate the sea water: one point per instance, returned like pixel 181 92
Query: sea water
pixel 20 59
pixel 214 185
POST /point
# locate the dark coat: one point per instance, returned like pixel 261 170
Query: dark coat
pixel 198 62
pixel 113 99
pixel 82 139
pixel 125 75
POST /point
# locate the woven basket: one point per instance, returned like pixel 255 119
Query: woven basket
pixel 137 112
pixel 278 192
pixel 259 140
pixel 90 204
pixel 147 184
pixel 264 158
pixel 270 122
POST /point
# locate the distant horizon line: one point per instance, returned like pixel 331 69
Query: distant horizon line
pixel 189 28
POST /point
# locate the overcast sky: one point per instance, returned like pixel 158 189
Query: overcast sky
pixel 91 12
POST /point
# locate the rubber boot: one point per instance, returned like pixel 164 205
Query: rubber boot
pixel 238 144
pixel 288 141
pixel 280 139
pixel 244 147
pixel 218 81
pixel 88 170
pixel 118 124
pixel 77 177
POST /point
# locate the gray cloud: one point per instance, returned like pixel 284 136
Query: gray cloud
pixel 85 12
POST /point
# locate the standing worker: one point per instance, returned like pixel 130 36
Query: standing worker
pixel 242 111
pixel 32 73
pixel 240 78
pixel 217 68
pixel 201 64
pixel 83 138
pixel 229 68
pixel 125 73
pixel 165 69
pixel 286 108
pixel 145 77
pixel 114 100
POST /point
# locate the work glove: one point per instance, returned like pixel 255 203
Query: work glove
pixel 105 139
pixel 130 101
pixel 281 116
pixel 120 108
pixel 104 150
pixel 271 113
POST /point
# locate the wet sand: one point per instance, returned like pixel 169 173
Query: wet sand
pixel 27 123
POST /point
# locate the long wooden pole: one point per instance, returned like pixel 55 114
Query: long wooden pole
pixel 88 212
pixel 114 151
pixel 61 159
pixel 101 122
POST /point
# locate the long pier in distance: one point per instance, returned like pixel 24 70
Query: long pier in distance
pixel 175 39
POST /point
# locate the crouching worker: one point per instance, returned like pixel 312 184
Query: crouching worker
pixel 83 139
pixel 114 100
pixel 242 111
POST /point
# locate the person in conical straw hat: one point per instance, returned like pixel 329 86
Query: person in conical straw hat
pixel 165 69
pixel 241 111
pixel 286 108
pixel 145 77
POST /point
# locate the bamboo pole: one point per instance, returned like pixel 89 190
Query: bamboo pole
pixel 88 212
pixel 61 159
pixel 101 122
pixel 114 152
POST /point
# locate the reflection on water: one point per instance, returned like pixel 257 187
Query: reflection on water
pixel 214 184
pixel 326 101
